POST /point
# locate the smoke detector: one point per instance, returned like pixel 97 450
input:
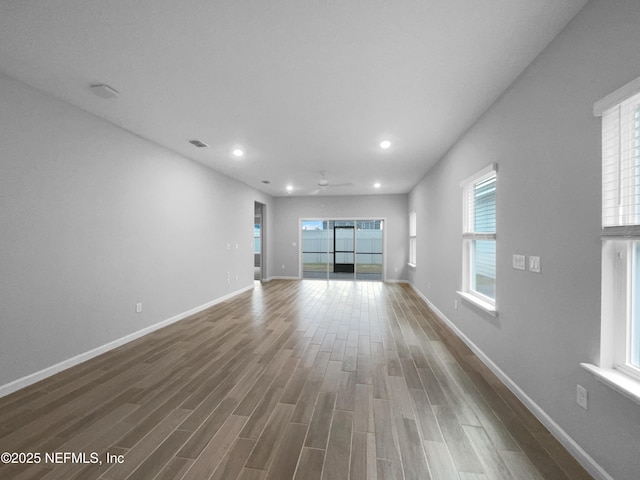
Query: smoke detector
pixel 104 91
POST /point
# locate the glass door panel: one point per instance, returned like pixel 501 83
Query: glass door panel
pixel 344 249
pixel 315 256
pixel 369 234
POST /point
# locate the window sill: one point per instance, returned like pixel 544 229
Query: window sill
pixel 412 265
pixel 620 382
pixel 486 306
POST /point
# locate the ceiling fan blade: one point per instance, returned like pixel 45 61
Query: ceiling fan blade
pixel 348 184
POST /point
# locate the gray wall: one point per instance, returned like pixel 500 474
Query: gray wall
pixel 94 220
pixel 289 211
pixel 546 142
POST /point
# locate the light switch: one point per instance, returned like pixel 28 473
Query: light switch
pixel 518 262
pixel 534 264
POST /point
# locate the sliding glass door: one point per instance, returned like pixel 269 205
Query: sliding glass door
pixel 342 249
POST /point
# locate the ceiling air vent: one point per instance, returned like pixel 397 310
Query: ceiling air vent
pixel 198 143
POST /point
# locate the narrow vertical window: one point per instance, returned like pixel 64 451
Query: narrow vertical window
pixel 479 238
pixel 620 347
pixel 634 321
pixel 619 359
pixel 412 239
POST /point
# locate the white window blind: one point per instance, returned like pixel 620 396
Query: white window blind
pixel 480 206
pixel 621 164
pixel 412 224
pixel 412 238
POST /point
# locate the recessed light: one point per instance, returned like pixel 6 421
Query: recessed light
pixel 385 144
pixel 238 152
pixel 289 188
pixel 377 185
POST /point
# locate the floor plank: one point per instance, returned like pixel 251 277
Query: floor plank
pixel 321 421
pixel 310 464
pixel 286 459
pixel 338 456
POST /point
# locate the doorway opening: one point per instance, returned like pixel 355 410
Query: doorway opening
pixel 342 249
pixel 258 241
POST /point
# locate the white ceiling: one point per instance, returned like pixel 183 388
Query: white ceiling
pixel 301 85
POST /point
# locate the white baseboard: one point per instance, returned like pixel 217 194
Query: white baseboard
pixel 83 357
pixel 283 278
pixel 563 437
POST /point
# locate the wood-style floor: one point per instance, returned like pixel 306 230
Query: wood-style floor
pixel 293 380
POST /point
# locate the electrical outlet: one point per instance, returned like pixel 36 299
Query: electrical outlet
pixel 138 307
pixel 518 262
pixel 582 396
pixel 455 304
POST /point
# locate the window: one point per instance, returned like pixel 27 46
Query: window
pixel 620 288
pixel 620 348
pixel 412 239
pixel 479 239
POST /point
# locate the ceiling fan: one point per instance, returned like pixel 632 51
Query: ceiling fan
pixel 323 184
